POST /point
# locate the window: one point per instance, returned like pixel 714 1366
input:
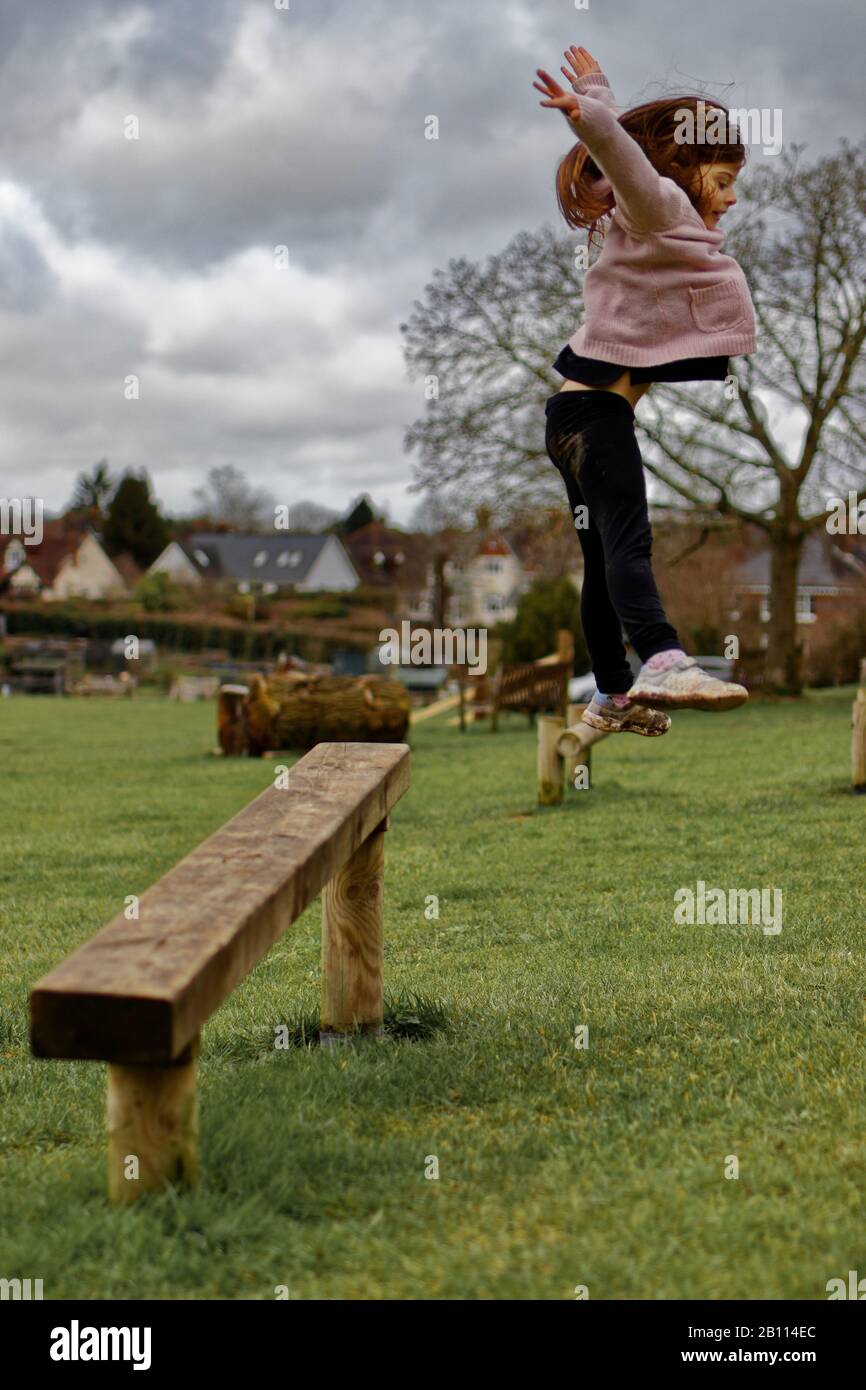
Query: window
pixel 805 607
pixel 295 558
pixel 495 603
pixel 283 559
pixel 14 554
pixel 493 566
pixel 200 558
pixel 260 558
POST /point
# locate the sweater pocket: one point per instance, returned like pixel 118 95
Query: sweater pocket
pixel 717 308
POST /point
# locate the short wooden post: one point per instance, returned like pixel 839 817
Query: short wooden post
pixel 152 1121
pixel 582 755
pixel 231 729
pixel 858 738
pixel 565 645
pixel 550 727
pixel 352 945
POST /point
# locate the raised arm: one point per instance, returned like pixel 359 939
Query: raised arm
pixel 646 200
pixel 587 78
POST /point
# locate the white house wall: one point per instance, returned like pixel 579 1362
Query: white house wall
pixel 87 574
pixel 176 565
pixel 489 587
pixel 331 569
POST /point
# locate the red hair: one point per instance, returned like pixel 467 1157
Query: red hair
pixel 653 126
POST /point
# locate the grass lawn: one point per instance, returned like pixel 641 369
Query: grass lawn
pixel 558 1166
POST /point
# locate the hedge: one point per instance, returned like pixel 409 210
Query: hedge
pixel 168 631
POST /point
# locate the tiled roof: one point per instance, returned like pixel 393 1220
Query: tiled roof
pixel 495 545
pixel 405 555
pixel 46 558
pixel 822 566
pixel 282 558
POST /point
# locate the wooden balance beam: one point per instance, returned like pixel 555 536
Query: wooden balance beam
pixel 562 750
pixel 137 994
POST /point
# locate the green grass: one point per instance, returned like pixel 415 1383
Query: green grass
pixel 557 1166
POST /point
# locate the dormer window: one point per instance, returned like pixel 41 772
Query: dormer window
pixel 14 554
pixel 261 558
pixel 283 559
pixel 295 558
pixel 200 558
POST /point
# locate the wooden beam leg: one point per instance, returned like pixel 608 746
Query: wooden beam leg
pixel 152 1119
pixel 352 945
pixel 550 727
pixel 858 743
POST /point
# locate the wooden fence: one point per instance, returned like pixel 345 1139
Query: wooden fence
pixel 137 994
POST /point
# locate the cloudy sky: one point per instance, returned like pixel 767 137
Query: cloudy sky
pixel 304 127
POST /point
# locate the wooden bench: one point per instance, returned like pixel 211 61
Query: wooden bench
pixel 531 688
pixel 137 994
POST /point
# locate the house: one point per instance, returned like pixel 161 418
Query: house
pixel 282 560
pixel 829 579
pixel 68 563
pixel 398 560
pixel 476 579
pixel 487 585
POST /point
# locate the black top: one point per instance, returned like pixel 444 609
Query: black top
pixel 590 372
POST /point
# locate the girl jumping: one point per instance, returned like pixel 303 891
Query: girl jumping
pixel 662 304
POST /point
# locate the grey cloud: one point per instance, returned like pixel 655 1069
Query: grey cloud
pixel 333 163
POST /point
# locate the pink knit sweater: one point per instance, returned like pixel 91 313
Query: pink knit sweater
pixel 660 289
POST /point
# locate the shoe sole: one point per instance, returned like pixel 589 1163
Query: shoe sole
pixel 597 721
pixel 669 700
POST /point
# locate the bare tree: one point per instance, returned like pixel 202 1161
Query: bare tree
pixel 484 337
pixel 484 340
pixel 228 498
pixel 312 516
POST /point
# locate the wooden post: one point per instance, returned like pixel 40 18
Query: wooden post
pixel 352 944
pixel 577 756
pixel 565 645
pixel 152 1121
pixel 550 727
pixel 858 740
pixel 231 729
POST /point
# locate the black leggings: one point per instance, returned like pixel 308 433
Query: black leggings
pixel 590 437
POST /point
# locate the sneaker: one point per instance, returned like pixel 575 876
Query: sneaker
pixel 686 686
pixel 634 719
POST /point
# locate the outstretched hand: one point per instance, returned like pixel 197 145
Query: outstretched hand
pixel 581 63
pixel 560 100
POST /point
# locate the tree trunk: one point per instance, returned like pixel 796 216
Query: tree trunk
pixel 441 591
pixel 783 650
